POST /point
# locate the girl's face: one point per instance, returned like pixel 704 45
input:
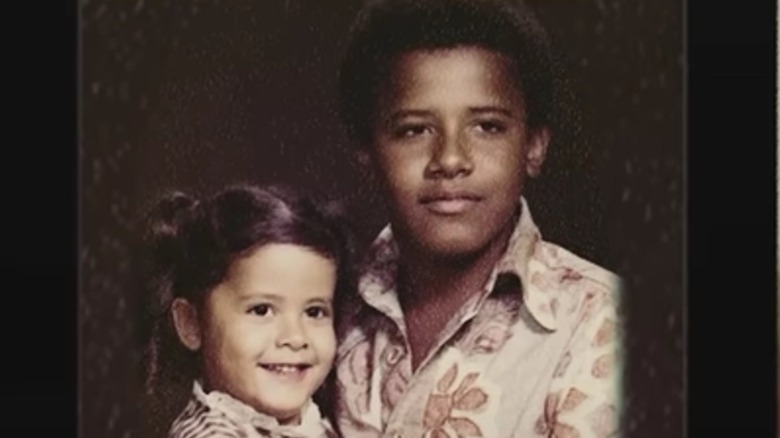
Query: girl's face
pixel 266 333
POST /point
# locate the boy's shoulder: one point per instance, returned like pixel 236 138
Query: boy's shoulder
pixel 584 291
pixel 555 257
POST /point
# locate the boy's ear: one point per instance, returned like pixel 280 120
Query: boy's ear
pixel 185 320
pixel 537 151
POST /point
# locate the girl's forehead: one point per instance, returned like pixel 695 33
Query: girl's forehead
pixel 280 268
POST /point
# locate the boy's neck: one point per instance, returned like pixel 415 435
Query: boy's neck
pixel 426 278
pixel 431 290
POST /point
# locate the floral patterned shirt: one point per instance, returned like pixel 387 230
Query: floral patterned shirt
pixel 537 354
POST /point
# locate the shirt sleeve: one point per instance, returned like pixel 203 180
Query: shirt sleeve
pixel 585 399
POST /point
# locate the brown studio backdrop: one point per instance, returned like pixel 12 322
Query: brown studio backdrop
pixel 197 94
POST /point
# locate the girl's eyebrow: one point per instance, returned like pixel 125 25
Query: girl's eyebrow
pixel 403 113
pixel 267 296
pixel 325 301
pixel 276 298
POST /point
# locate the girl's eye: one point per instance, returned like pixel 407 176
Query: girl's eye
pixel 260 310
pixel 410 130
pixel 317 312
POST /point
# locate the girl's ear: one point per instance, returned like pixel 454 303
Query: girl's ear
pixel 185 319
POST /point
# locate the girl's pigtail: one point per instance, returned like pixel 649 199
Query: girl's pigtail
pixel 345 298
pixel 345 231
pixel 165 241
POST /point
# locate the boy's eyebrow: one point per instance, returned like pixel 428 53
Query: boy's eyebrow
pixel 491 109
pixel 403 113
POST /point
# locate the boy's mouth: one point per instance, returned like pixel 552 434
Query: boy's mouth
pixel 449 202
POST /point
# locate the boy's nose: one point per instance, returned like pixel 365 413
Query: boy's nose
pixel 450 158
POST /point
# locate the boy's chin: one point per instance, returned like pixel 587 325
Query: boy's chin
pixel 453 243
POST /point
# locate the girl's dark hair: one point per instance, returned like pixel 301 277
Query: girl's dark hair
pixel 191 244
pixel 387 28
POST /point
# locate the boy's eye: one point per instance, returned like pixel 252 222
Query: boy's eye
pixel 491 126
pixel 260 310
pixel 317 312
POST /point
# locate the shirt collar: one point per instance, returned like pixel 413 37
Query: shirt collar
pixel 239 411
pixel 377 286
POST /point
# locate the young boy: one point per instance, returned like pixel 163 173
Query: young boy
pixel 470 324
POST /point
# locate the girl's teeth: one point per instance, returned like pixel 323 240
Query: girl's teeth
pixel 283 369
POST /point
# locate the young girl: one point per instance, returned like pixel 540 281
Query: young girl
pixel 247 282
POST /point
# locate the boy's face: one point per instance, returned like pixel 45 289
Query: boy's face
pixel 452 148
